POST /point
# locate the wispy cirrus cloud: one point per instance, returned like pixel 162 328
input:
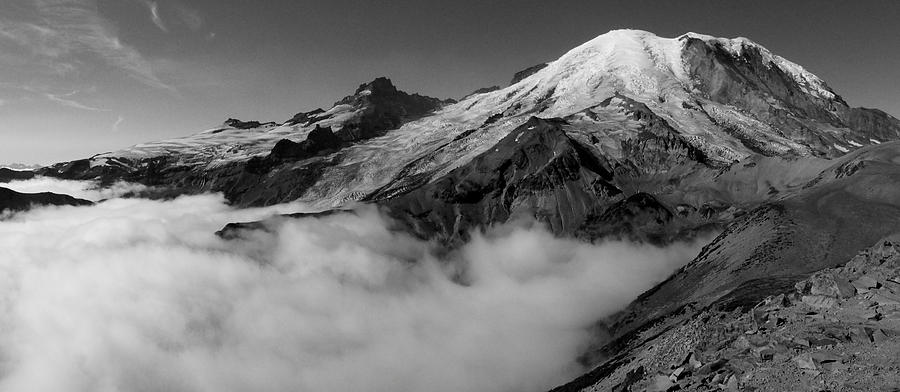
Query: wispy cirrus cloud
pixel 176 14
pixel 154 15
pixel 157 20
pixel 57 32
pixel 66 100
pixel 119 121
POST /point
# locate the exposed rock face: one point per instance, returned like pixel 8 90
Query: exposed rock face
pixel 320 139
pixel 11 200
pixel 305 118
pixel 872 123
pixel 536 170
pixel 7 175
pixel 380 107
pixel 541 170
pixel 656 147
pixel 527 72
pixel 235 123
pixel 237 229
pixel 745 75
pixel 639 217
pixel 483 90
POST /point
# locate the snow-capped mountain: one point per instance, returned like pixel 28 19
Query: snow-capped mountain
pixel 653 112
pixel 627 135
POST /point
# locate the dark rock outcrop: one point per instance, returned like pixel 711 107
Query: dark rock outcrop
pixel 527 72
pixel 639 217
pixel 235 123
pixel 305 118
pixel 382 107
pixel 482 90
pixel 319 140
pixel 11 200
pixel 235 230
pixel 7 175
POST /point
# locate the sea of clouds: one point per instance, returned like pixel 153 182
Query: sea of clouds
pixel 141 295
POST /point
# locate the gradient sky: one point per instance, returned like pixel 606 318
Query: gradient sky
pixel 78 77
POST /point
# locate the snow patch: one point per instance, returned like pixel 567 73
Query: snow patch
pixel 841 148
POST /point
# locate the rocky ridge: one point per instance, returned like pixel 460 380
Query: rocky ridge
pixel 12 201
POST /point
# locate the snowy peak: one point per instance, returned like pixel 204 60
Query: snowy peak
pixel 730 97
pixel 631 60
pixel 643 63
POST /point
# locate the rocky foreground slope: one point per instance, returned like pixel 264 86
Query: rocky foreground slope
pixel 838 329
pixel 848 206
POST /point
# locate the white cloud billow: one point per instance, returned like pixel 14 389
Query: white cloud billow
pixel 139 295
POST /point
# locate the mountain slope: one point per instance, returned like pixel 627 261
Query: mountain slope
pixel 535 171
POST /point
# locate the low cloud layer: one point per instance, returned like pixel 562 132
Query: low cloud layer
pixel 139 295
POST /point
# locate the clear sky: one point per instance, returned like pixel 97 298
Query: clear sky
pixel 79 77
